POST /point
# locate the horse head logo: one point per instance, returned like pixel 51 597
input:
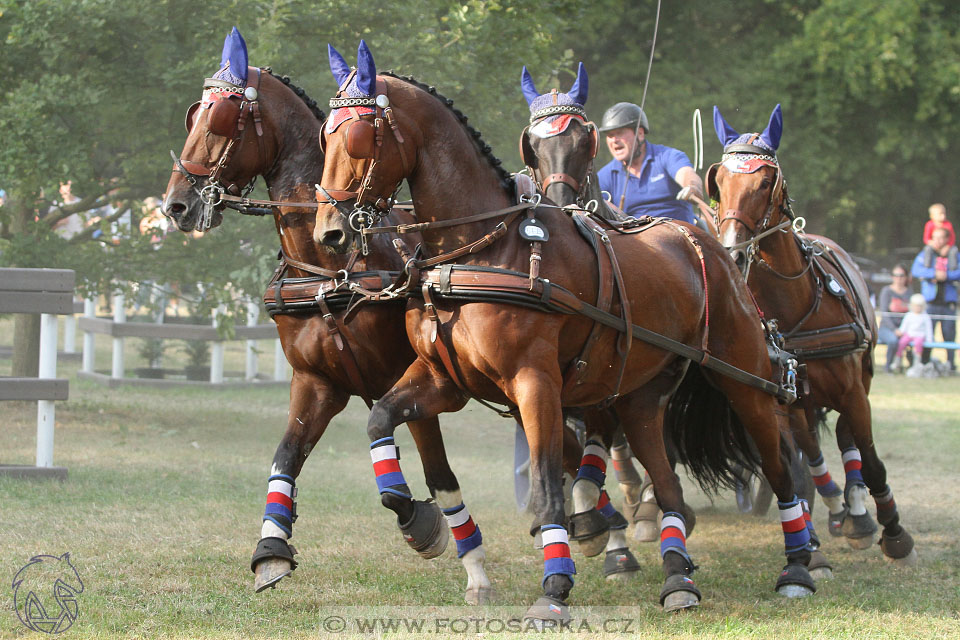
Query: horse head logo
pixel 45 593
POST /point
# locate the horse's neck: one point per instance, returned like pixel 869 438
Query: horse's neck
pixel 786 299
pixel 453 179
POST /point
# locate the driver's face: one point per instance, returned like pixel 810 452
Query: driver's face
pixel 622 142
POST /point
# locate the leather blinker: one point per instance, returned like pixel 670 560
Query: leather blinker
pixel 223 116
pixel 526 150
pixel 359 137
pixel 191 116
pixel 713 190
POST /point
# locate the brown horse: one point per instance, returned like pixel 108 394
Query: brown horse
pixel 333 358
pixel 515 353
pixel 822 306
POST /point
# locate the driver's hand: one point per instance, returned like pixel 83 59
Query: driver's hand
pixel 689 193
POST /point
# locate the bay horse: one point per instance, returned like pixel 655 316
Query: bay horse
pixel 822 306
pixel 558 148
pixel 333 356
pixel 480 327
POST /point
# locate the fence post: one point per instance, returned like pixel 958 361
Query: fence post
pixel 48 369
pixel 279 362
pixel 253 314
pixel 70 334
pixel 119 315
pixel 216 358
pixel 89 311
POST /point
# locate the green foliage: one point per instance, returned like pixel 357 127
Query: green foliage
pixel 95 92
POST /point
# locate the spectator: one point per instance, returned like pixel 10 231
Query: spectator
pixel 916 328
pixel 153 223
pixel 938 220
pixel 894 299
pixel 72 224
pixel 937 268
pixel 3 197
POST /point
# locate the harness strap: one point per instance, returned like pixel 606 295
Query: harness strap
pixel 453 222
pixel 338 332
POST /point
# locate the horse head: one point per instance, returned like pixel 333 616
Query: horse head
pixel 232 136
pixel 748 184
pixel 560 143
pixel 369 150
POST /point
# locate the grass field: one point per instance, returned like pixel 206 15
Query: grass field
pixel 162 509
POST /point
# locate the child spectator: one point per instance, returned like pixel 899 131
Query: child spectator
pixel 938 220
pixel 916 326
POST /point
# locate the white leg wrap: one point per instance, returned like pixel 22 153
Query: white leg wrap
pixel 585 495
pixel 618 539
pixel 834 503
pixel 858 501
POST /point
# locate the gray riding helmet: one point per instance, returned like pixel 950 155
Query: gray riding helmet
pixel 624 114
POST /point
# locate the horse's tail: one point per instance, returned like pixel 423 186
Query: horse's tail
pixel 708 436
pixel 822 426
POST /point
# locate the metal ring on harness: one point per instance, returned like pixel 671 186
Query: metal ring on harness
pixel 591 206
pixel 799 224
pixel 209 192
pixel 535 198
pixel 356 220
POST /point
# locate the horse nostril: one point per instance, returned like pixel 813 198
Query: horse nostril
pixel 332 238
pixel 740 258
pixel 175 209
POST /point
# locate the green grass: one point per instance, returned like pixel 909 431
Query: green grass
pixel 162 509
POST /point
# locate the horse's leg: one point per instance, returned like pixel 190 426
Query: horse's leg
pixel 445 489
pixel 768 425
pixel 536 392
pixel 803 428
pixel 313 403
pixel 831 494
pixel 641 414
pixel 855 437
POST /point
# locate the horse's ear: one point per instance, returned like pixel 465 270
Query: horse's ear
pixel 526 84
pixel 235 53
pixel 771 135
pixel 580 86
pixel 338 66
pixel 526 151
pixel 725 133
pixel 366 70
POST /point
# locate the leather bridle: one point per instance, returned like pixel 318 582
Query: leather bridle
pixel 526 152
pixel 196 172
pixel 364 141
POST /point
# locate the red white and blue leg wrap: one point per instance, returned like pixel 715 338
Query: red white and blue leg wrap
pixel 673 535
pixel 826 487
pixel 814 539
pixel 796 536
pixel 608 511
pixel 556 552
pixel 465 531
pixel 280 509
pixel 386 467
pixel 886 506
pixel 852 465
pixel 593 465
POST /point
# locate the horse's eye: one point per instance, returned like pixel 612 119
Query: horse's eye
pixel 765 184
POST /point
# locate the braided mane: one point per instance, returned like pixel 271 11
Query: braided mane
pixel 506 179
pixel 307 100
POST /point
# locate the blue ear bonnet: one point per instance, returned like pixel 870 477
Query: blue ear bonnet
pixel 233 60
pixel 768 140
pixel 364 82
pixel 759 142
pixel 576 97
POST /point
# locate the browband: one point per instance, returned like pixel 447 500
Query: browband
pixel 558 109
pixel 749 148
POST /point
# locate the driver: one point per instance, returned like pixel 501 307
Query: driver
pixel 660 181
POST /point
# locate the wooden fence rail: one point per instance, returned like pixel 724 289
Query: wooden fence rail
pixel 48 292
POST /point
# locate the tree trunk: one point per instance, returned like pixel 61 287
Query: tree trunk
pixel 26 345
pixel 26 327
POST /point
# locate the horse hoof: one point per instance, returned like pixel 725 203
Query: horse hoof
pixel 479 596
pixel 819 566
pixel 859 531
pixel 546 612
pixel 426 532
pixel 646 531
pixel 679 592
pixel 909 561
pixel 594 546
pixel 899 547
pixel 795 581
pixel 620 564
pixel 591 530
pixel 794 591
pixel 862 543
pixel 271 571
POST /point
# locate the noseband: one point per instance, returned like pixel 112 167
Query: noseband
pixel 364 141
pixel 195 172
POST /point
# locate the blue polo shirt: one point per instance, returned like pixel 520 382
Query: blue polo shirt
pixel 654 193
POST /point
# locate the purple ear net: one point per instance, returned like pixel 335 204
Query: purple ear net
pixel 366 70
pixel 338 66
pixel 580 86
pixel 725 133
